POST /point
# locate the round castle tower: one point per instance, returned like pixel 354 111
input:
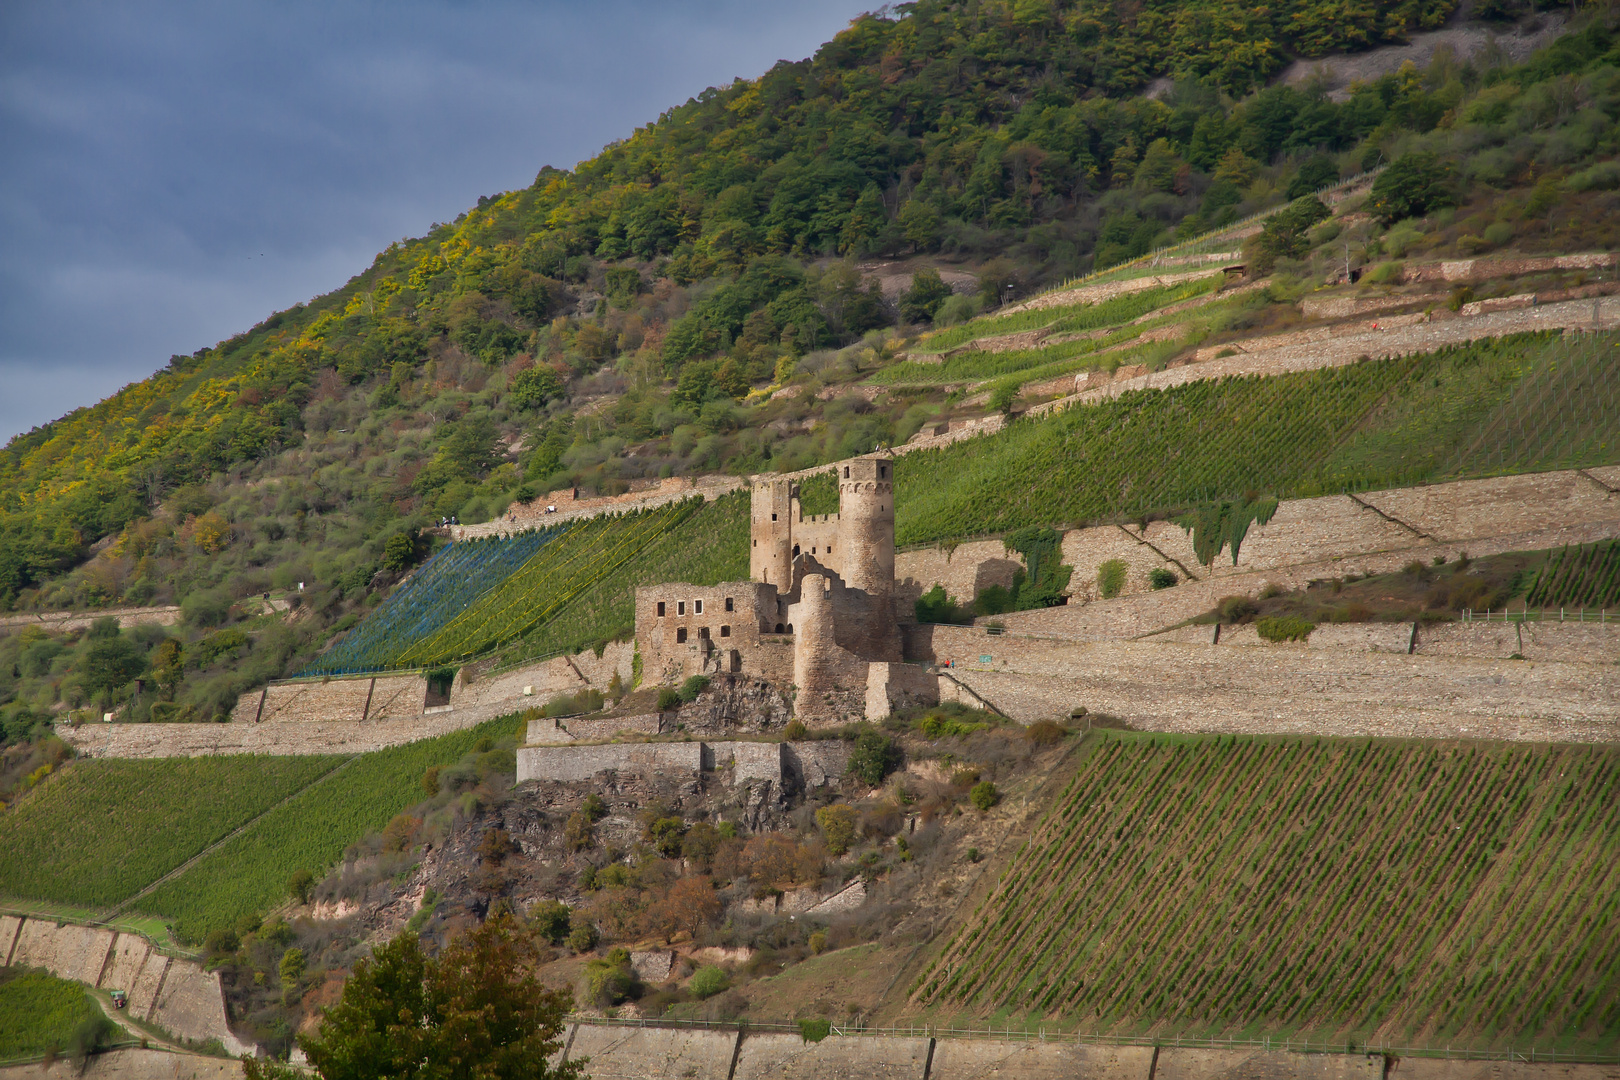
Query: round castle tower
pixel 866 524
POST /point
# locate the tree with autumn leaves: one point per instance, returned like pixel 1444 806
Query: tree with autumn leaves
pixel 474 1012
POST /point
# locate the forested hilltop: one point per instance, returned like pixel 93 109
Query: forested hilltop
pixel 642 315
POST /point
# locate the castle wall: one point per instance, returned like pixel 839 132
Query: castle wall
pixel 565 731
pixel 831 679
pixel 892 688
pixel 716 640
pixel 866 525
pixel 806 764
pixel 769 530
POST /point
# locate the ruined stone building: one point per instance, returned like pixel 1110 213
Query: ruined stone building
pixel 816 616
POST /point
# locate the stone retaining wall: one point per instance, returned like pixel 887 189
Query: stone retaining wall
pixel 58 621
pixel 523 517
pixel 133 1064
pixel 1283 689
pixel 175 994
pixel 623 1053
pixel 565 731
pixel 583 762
pixel 199 740
pixel 1339 350
pixel 808 764
pixel 1393 527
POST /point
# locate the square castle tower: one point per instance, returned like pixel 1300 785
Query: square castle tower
pixel 816 616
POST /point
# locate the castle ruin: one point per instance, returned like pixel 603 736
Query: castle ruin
pixel 817 615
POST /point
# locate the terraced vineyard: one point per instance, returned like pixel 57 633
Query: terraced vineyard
pixel 1384 423
pixel 250 872
pixel 103 830
pixel 449 582
pixel 1579 577
pixel 707 548
pixel 1116 313
pixel 1341 888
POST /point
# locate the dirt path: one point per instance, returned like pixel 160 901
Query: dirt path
pixel 121 1018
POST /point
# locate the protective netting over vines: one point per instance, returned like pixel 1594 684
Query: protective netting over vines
pixel 451 581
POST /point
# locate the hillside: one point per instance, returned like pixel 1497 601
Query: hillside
pixel 730 289
pixel 1213 396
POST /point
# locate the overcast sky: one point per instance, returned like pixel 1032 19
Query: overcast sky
pixel 170 174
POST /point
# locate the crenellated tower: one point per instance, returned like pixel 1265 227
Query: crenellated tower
pixel 866 525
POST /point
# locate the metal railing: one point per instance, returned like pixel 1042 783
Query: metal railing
pixel 1579 615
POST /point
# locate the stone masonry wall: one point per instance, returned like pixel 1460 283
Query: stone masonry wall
pixel 1284 689
pixel 805 764
pixel 1568 507
pixel 584 762
pixel 176 994
pixel 133 1064
pixel 565 731
pixel 197 740
pixel 677 1053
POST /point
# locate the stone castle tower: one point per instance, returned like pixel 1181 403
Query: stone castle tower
pixel 857 543
pixel 817 614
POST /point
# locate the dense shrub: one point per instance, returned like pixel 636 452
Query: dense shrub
pixel 874 756
pixel 708 981
pixel 1111 578
pixel 1284 628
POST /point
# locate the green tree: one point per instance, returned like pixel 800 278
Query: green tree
pixel 928 291
pixel 533 387
pixel 168 667
pixel 400 552
pixel 919 223
pixel 110 662
pixel 1415 184
pixel 874 756
pixel 475 1011
pixel 300 885
pixel 1284 234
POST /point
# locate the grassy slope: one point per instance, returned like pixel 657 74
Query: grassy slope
pixel 1445 893
pixel 39 1012
pixel 102 830
pixel 250 873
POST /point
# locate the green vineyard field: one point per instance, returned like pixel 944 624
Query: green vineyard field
pixel 1579 577
pixel 249 873
pixel 1384 423
pixel 39 1012
pixel 101 831
pixel 1348 889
